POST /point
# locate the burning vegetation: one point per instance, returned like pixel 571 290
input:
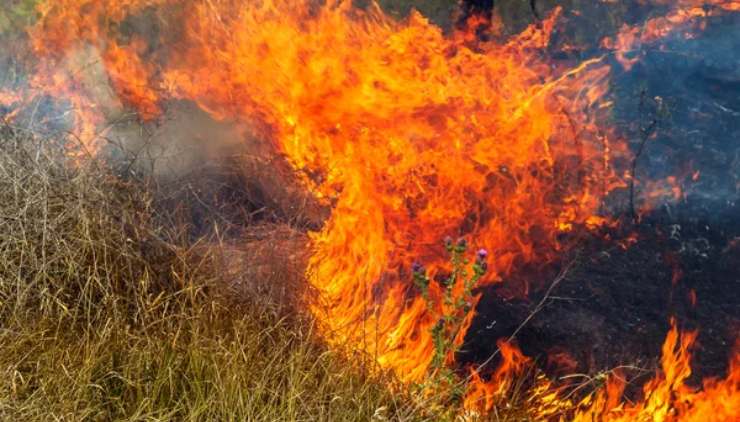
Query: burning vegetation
pixel 391 147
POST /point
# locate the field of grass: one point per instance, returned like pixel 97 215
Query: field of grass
pixel 107 315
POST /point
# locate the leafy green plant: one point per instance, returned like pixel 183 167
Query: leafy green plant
pixel 457 300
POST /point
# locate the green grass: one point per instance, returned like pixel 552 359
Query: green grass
pixel 106 315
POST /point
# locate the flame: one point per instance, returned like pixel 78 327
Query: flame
pixel 543 399
pixel 74 36
pixel 667 397
pixel 131 78
pixel 9 100
pixel 482 395
pixel 409 134
pixel 415 136
pixel 686 15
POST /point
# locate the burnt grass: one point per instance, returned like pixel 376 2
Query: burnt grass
pixel 614 304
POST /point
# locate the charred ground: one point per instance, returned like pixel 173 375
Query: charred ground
pixel 613 305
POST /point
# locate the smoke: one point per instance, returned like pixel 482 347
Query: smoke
pixel 210 166
pixel 697 80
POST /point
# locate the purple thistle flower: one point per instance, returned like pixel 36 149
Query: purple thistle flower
pixel 416 267
pixel 482 255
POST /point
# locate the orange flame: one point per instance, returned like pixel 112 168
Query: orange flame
pixel 414 136
pixel 9 99
pixel 67 42
pixel 630 39
pixel 409 134
pixel 666 396
pixel 482 395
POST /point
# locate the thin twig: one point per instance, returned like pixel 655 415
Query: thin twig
pixel 645 134
pixel 540 305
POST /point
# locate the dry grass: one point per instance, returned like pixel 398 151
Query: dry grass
pixel 105 315
pixel 111 310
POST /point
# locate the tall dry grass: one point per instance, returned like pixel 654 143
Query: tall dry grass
pixel 106 314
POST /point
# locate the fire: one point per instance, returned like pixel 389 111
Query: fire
pixel 482 395
pixel 73 36
pixel 686 16
pixel 414 136
pixel 8 99
pixel 130 77
pixel 409 134
pixel 667 397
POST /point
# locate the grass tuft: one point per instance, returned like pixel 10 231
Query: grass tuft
pixel 106 315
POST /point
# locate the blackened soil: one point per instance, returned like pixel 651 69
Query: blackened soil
pixel 614 305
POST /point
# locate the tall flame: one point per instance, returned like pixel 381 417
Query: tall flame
pixel 409 134
pixel 412 136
